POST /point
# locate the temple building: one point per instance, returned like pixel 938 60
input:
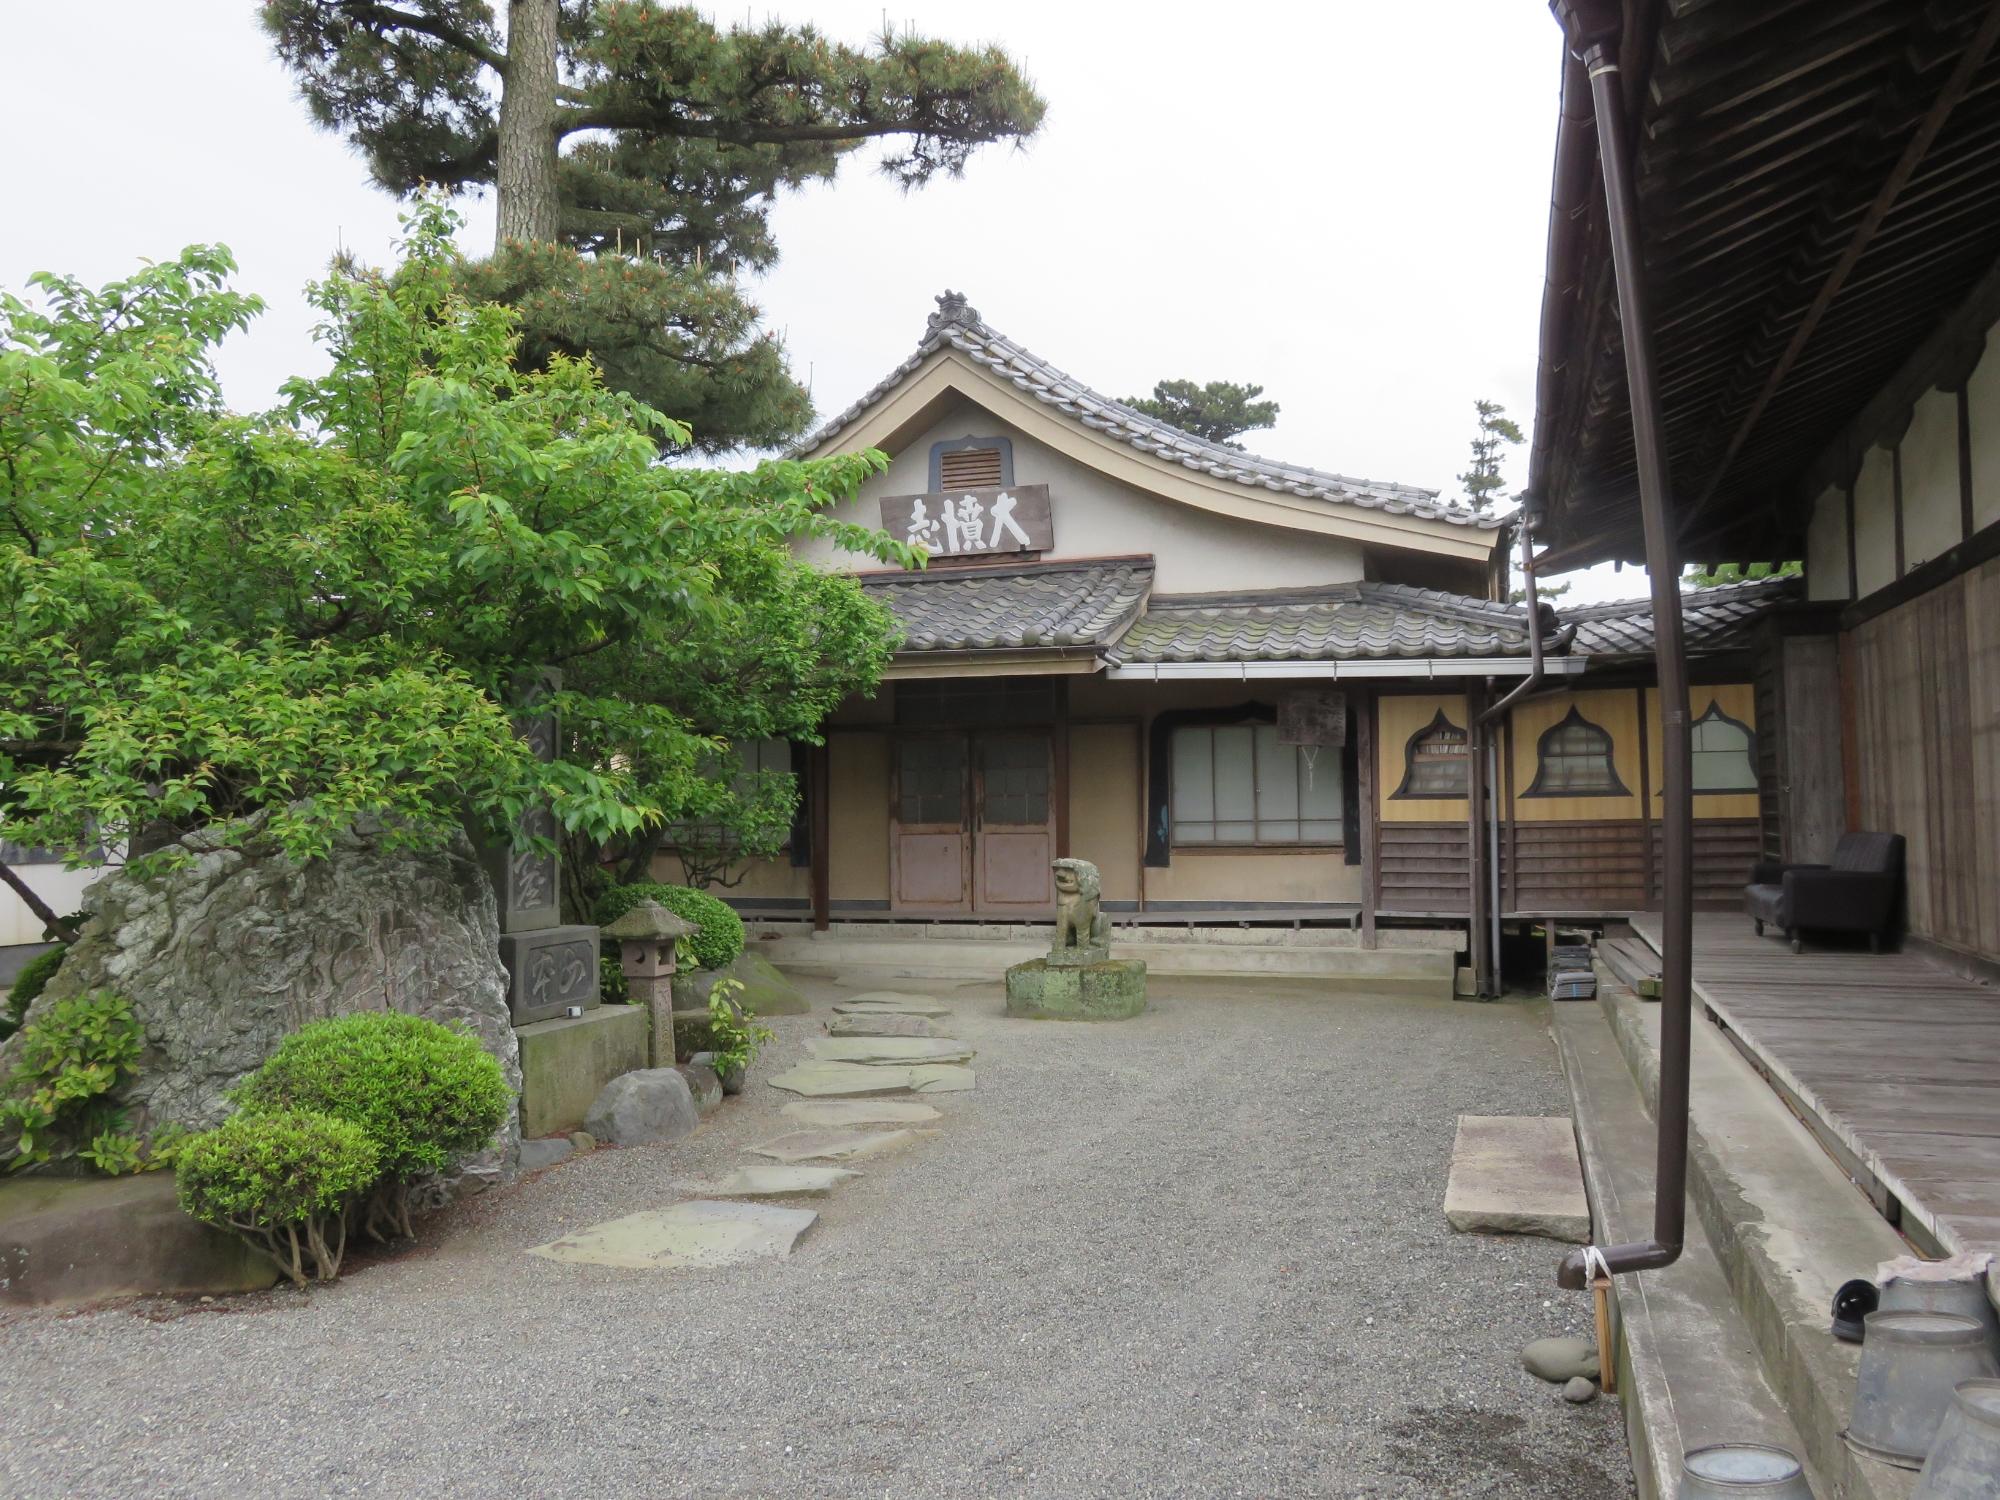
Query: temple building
pixel 1242 688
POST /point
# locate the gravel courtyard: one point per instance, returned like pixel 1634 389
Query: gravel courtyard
pixel 1201 1253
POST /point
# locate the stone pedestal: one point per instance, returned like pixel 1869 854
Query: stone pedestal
pixel 1079 957
pixel 1109 989
pixel 566 1064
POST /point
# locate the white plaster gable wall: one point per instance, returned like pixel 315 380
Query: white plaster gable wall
pixel 1096 516
pixel 1875 522
pixel 1984 399
pixel 1826 547
pixel 1930 478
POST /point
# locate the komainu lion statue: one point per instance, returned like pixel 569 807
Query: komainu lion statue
pixel 1079 922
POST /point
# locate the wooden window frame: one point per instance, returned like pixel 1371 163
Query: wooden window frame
pixel 1575 719
pixel 1714 711
pixel 797 846
pixel 1252 844
pixel 1440 721
pixel 1004 446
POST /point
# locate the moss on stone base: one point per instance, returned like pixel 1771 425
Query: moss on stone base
pixel 1114 990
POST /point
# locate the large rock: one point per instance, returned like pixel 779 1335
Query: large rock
pixel 765 992
pixel 224 956
pixel 643 1108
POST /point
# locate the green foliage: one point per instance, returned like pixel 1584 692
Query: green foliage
pixel 1217 411
pixel 1496 432
pixel 612 986
pixel 425 1094
pixel 31 981
pixel 70 1062
pixel 734 1035
pixel 286 1181
pixel 677 138
pixel 1718 575
pixel 319 613
pixel 715 946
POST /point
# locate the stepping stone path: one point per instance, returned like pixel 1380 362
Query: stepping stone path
pixel 888 1049
pixel 835 1114
pixel 700 1233
pixel 879 1043
pixel 773 1182
pixel 885 1003
pixel 829 1080
pixel 834 1145
pixel 886 1024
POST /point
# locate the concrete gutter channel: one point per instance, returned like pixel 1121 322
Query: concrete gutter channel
pixel 1731 1343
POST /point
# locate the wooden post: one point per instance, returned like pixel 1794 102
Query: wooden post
pixel 1059 792
pixel 1607 1357
pixel 1369 831
pixel 819 789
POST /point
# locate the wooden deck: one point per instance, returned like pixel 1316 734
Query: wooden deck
pixel 1895 1059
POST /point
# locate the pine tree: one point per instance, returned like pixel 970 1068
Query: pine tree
pixel 1217 411
pixel 636 150
pixel 1496 431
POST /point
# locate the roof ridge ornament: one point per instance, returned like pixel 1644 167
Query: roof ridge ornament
pixel 954 311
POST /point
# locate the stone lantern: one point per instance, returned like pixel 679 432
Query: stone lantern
pixel 646 935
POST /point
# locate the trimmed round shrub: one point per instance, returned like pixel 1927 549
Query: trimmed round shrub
pixel 425 1094
pixel 28 984
pixel 285 1181
pixel 715 946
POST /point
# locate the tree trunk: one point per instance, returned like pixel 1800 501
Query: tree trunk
pixel 529 208
pixel 38 906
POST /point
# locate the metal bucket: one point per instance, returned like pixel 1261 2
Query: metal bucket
pixel 1964 1299
pixel 1965 1457
pixel 1734 1471
pixel 1910 1364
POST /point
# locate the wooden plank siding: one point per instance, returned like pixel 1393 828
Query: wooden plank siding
pixel 1598 866
pixel 1926 698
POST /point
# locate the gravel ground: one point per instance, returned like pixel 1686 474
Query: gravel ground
pixel 1198 1253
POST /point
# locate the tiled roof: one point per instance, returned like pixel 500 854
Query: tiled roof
pixel 1343 622
pixel 1014 608
pixel 958 326
pixel 1717 619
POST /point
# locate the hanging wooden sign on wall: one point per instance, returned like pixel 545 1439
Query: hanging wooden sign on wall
pixel 972 523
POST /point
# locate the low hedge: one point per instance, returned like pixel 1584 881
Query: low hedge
pixel 426 1095
pixel 720 939
pixel 285 1181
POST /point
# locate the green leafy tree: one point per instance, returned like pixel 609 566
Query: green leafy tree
pixel 636 150
pixel 1217 411
pixel 1718 575
pixel 1495 434
pixel 320 613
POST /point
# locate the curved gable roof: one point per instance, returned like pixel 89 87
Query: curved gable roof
pixel 956 326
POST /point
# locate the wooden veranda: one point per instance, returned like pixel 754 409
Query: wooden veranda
pixel 1893 1061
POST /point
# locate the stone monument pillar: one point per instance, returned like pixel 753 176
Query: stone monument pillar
pixel 552 969
pixel 646 936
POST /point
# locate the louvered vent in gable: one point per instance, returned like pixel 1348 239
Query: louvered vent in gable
pixel 970 469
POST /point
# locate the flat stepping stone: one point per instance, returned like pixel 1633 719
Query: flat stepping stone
pixel 700 1233
pixel 888 1049
pixel 888 1023
pixel 774 1182
pixel 838 1114
pixel 830 1080
pixel 885 1002
pixel 834 1145
pixel 1517 1174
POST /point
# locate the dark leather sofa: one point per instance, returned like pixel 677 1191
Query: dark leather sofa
pixel 1855 893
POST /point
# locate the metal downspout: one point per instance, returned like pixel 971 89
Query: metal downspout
pixel 1534 678
pixel 1593 36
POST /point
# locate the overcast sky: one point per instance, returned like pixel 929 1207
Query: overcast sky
pixel 1341 202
